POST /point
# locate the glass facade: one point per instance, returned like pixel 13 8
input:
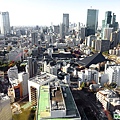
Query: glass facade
pixel 108 18
pixel 92 21
pixel 5 23
pixel 66 22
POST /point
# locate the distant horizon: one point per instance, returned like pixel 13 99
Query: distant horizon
pixel 43 13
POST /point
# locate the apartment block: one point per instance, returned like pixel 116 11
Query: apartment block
pixel 109 99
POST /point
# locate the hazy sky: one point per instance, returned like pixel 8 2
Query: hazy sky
pixel 43 12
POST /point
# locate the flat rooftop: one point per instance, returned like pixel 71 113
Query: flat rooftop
pixel 3 97
pixel 45 103
pixel 43 78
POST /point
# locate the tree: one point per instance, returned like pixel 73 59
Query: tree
pixel 82 85
pixel 113 85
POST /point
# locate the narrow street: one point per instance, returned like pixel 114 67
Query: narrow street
pixel 87 105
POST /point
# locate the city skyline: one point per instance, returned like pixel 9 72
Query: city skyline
pixel 38 12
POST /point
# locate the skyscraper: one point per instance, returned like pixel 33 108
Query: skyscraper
pixel 108 18
pixel 92 21
pixel 109 22
pixel 62 31
pixel 5 23
pixel 66 22
pixel 34 38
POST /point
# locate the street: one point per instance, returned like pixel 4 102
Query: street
pixel 87 104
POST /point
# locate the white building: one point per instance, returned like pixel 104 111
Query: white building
pixel 35 83
pixel 13 72
pixel 60 45
pixel 50 51
pixel 91 75
pixel 90 39
pixel 5 23
pixel 109 99
pixel 23 78
pixel 5 108
pixel 113 72
pixel 51 69
pixel 59 102
pixel 107 33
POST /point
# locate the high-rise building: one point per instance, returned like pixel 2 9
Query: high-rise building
pixel 31 67
pixel 107 33
pixel 62 29
pixel 56 29
pixel 113 20
pixel 108 18
pixel 92 21
pixel 109 22
pixel 5 23
pixel 102 45
pixel 66 22
pixel 34 38
pixel 23 78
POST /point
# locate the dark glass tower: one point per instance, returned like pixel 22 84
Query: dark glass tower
pixel 108 18
pixel 92 21
pixel 66 22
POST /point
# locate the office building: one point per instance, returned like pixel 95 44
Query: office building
pixel 102 45
pixel 5 23
pixel 82 33
pixel 66 23
pixel 31 66
pixel 92 21
pixel 108 18
pixel 62 31
pixel 109 22
pixel 35 83
pixel 56 29
pixel 55 102
pixel 34 38
pixel 89 40
pixel 23 78
pixel 107 33
pixel 5 107
pixel 115 38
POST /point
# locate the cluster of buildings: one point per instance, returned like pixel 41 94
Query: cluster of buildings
pixel 54 59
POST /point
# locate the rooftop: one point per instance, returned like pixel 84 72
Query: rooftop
pixel 3 97
pixel 53 99
pixel 43 78
pixel 94 59
pixel 44 103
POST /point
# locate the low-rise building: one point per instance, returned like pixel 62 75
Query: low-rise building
pixel 113 72
pixel 5 108
pixel 109 99
pixel 56 102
